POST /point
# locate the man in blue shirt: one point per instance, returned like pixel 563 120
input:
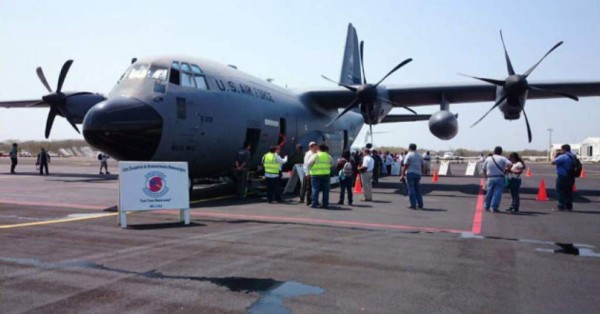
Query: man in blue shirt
pixel 564 181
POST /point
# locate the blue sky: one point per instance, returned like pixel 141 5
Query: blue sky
pixel 297 41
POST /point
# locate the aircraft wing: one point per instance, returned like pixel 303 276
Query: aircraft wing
pixel 423 95
pixel 38 103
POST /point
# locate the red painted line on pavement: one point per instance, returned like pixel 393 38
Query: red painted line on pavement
pixel 45 204
pixel 478 217
pixel 327 222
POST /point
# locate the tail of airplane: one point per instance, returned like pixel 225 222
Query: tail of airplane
pixel 351 74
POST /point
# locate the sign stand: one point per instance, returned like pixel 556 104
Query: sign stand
pixel 147 186
pixel 296 177
pixel 445 168
pixel 472 168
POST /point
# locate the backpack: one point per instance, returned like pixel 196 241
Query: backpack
pixel 348 171
pixel 100 157
pixel 576 167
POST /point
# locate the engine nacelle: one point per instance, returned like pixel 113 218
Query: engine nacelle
pixel 443 124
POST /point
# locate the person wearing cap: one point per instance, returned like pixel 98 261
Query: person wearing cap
pixel 272 163
pixel 306 189
pixel 366 174
pixel 319 167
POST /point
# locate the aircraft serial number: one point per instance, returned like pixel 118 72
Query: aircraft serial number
pixel 241 88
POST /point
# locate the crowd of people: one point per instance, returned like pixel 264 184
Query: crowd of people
pixel 318 167
pixel 368 165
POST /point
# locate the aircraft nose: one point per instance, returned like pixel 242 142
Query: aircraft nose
pixel 125 128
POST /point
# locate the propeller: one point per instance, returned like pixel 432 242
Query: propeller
pixel 515 85
pixel 57 100
pixel 366 94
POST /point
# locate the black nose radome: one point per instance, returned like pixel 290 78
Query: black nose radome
pixel 125 128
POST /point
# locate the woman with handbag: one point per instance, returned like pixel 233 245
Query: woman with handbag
pixel 514 180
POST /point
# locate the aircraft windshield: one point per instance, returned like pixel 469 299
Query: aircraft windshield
pixel 145 71
pixel 141 71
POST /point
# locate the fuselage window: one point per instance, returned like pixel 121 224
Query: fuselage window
pixel 199 77
pixel 187 78
pixel 174 77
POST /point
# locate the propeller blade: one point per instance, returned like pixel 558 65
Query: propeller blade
pixel 42 77
pixel 63 75
pixel 528 127
pixel 72 123
pixel 397 105
pixel 403 63
pixel 371 131
pixel 554 92
pixel 547 53
pixel 354 89
pixel 509 66
pixel 351 106
pixel 493 107
pixel 51 115
pixel 362 62
pixel 487 80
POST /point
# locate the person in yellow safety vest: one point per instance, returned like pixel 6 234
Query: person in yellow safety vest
pixel 320 173
pixel 272 164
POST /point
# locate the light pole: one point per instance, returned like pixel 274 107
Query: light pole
pixel 550 144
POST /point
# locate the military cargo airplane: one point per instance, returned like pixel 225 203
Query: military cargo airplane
pixel 178 108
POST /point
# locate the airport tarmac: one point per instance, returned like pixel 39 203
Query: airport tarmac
pixel 61 250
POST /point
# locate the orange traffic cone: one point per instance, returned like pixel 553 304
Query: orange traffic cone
pixel 358 185
pixel 582 173
pixel 542 196
pixel 435 176
pixel 528 174
pixel 574 188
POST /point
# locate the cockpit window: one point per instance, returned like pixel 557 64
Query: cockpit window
pixel 188 75
pixel 199 78
pixel 187 78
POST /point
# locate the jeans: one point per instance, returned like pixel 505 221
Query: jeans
pixel 320 184
pixel 346 185
pixel 43 166
pixel 413 180
pixel 514 185
pixel 495 187
pixel 564 191
pixel 241 177
pixel 13 165
pixel 273 189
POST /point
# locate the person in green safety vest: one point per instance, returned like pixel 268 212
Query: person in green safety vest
pixel 320 173
pixel 272 164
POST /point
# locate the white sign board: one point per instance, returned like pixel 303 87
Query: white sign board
pixel 472 168
pixel 445 169
pixel 153 186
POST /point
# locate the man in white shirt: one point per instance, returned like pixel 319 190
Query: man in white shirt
pixel 306 188
pixel 366 174
pixel 389 161
pixel 494 168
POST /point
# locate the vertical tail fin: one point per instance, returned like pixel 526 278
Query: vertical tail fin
pixel 351 64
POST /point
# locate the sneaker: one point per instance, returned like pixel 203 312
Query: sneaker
pixel 101 173
pixel 420 207
pixel 411 207
pixel 340 203
pixel 495 210
pixel 510 209
pixel 487 210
